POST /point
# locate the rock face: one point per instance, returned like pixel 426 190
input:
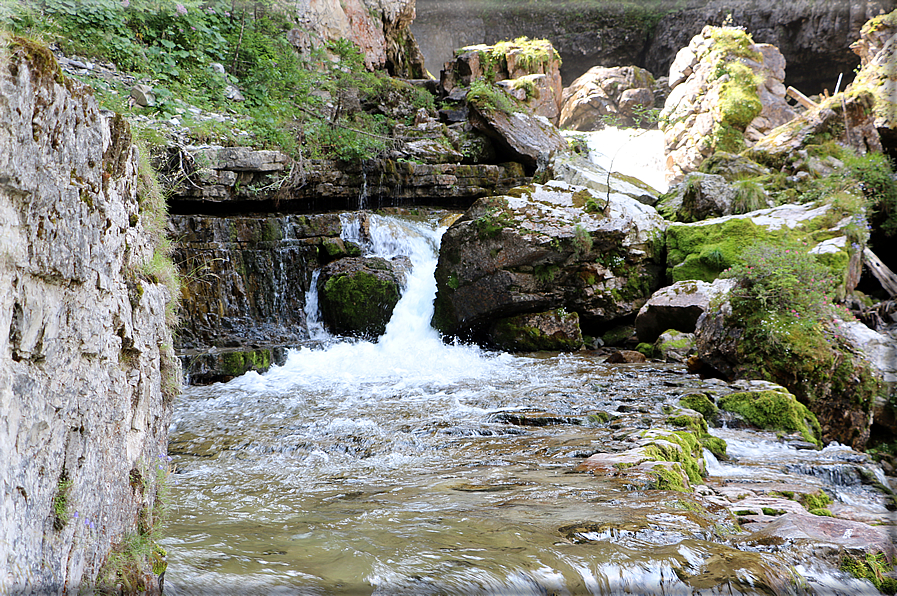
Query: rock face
pixel 812 34
pixel 877 49
pixel 87 372
pixel 378 27
pixel 604 96
pixel 245 280
pixel 544 247
pixel 520 136
pixel 357 295
pixel 267 181
pixel 726 91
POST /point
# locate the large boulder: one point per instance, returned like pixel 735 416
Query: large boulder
pixel 822 368
pixel 677 307
pixel 544 247
pixel 617 95
pixel 357 295
pixel 702 250
pixel 556 331
pixel 726 92
pixel 518 136
pixel 698 197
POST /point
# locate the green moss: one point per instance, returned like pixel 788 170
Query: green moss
pixel 772 512
pixel 817 500
pixel 699 402
pixel 237 363
pixel 871 567
pixel 361 302
pixel 669 479
pixel 714 445
pixel 774 410
pixel 646 349
pixel 61 513
pixel 693 423
pixel 823 512
pixel 514 333
pixel 702 252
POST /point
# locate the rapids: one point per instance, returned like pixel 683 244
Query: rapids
pixel 411 466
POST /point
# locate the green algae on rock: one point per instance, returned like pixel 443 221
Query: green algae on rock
pixel 774 410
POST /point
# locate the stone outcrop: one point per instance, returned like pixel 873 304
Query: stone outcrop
pixel 617 96
pixel 526 69
pixel 378 27
pixel 726 91
pixel 877 48
pixel 265 181
pixel 519 136
pixel 87 371
pixel 543 247
pixel 677 307
pixel 245 280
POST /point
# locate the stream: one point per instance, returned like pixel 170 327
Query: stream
pixel 412 466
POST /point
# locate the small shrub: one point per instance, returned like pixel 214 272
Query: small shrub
pixel 749 196
pixel 486 96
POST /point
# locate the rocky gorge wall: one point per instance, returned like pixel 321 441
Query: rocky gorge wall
pixel 87 369
pixel 813 35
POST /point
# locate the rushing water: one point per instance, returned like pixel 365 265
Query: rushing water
pixel 394 468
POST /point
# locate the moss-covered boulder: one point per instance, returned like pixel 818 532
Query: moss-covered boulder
pixel 699 196
pixel 726 92
pixel 544 247
pixel 556 331
pixel 357 295
pixel 702 250
pixel 774 409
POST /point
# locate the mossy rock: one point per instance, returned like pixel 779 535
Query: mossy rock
pixel 774 410
pixel 699 402
pixel 357 295
pixel 555 331
pixel 234 364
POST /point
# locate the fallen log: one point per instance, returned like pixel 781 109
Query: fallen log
pixel 882 273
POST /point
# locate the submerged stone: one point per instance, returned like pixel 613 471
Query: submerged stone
pixel 357 295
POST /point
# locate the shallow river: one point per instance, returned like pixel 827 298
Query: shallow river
pixel 408 466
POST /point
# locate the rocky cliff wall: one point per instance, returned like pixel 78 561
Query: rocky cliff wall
pixel 87 370
pixel 813 35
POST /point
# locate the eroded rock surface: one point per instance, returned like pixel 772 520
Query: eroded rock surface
pixel 618 95
pixel 87 371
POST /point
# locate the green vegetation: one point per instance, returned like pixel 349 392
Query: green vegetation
pixel 138 555
pixel 531 55
pixel 699 402
pixel 362 301
pixel 774 410
pixel 871 567
pixel 487 96
pixel 309 105
pixel 237 363
pixel 61 513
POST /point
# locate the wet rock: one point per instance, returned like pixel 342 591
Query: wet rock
pixel 625 357
pixel 715 102
pixel 358 294
pixel 853 536
pixel 555 330
pixel 677 307
pixel 545 247
pixel 518 136
pixel 605 96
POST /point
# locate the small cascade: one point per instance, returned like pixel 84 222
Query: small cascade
pixel 316 330
pixel 631 151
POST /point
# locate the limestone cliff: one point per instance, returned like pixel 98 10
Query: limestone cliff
pixel 87 371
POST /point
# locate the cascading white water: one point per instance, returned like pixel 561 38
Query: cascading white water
pixel 630 151
pixel 386 468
